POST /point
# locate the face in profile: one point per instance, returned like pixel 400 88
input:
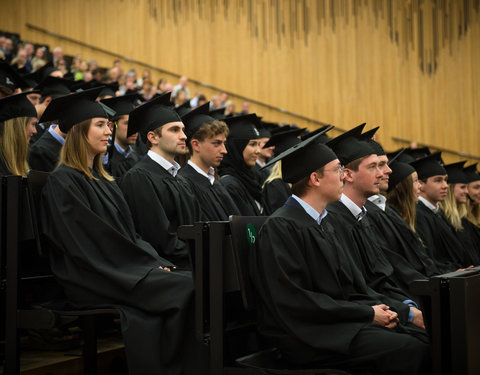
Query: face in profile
pixel 98 134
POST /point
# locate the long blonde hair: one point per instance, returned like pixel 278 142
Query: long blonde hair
pixel 74 152
pixel 14 144
pixel 473 212
pixel 454 211
pixel 275 173
pixel 403 198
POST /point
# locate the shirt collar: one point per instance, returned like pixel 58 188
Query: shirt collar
pixel 55 135
pixel 357 212
pixel 378 200
pixel 432 207
pixel 210 175
pixel 125 153
pixel 164 163
pixel 310 210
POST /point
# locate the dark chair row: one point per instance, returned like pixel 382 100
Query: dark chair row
pixel 20 267
pixel 225 300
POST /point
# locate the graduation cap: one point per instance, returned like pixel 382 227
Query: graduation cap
pixel 14 106
pixel 429 166
pixel 122 105
pixel 471 172
pixel 368 137
pixel 151 115
pixel 72 109
pixel 349 147
pixel 46 70
pixel 284 140
pixel 10 78
pixel 265 129
pixel 55 87
pixel 418 153
pixel 219 114
pixel 243 127
pixel 110 89
pixel 303 158
pixel 107 88
pixel 400 155
pixel 32 79
pixel 456 174
pixel 183 108
pixel 324 129
pixel 194 119
pixel 400 171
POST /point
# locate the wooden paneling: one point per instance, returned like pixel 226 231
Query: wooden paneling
pixel 410 66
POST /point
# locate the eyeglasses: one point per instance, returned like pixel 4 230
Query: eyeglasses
pixel 340 170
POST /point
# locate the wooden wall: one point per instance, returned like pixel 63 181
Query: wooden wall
pixel 411 66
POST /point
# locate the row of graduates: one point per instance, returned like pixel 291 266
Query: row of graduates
pixel 83 205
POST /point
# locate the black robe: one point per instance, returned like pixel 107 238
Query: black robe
pixel 469 237
pixel 215 202
pixel 314 302
pixel 401 244
pixel 118 165
pixel 440 241
pixel 274 195
pixel 363 243
pixel 243 199
pixel 262 173
pixel 160 204
pixel 44 153
pixel 4 171
pixel 100 261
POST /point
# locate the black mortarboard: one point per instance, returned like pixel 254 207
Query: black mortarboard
pixel 14 106
pixel 349 147
pixel 32 79
pixel 471 172
pixel 284 140
pixel 122 105
pixel 55 87
pixel 324 129
pixel 368 137
pixel 418 153
pixel 183 108
pixel 110 89
pixel 107 88
pixel 456 174
pixel 197 117
pixel 72 109
pixel 10 78
pixel 400 171
pixel 303 158
pixel 429 166
pixel 219 114
pixel 46 70
pixel 151 115
pixel 265 129
pixel 400 155
pixel 243 127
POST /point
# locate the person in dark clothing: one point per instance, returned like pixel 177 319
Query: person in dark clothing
pixel 349 218
pixel 454 206
pixel 17 125
pixel 314 304
pixel 243 146
pixel 159 202
pixel 95 252
pixel 121 155
pixel 431 223
pixel 206 138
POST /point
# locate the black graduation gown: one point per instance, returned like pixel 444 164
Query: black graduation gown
pixel 4 171
pixel 361 239
pixel 160 204
pixel 240 195
pixel 100 260
pixel 215 202
pixel 118 165
pixel 469 237
pixel 441 243
pixel 313 301
pixel 262 173
pixel 400 243
pixel 44 153
pixel 274 195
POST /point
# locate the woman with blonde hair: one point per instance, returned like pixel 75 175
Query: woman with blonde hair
pixel 96 254
pixel 17 125
pixel 473 201
pixel 454 206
